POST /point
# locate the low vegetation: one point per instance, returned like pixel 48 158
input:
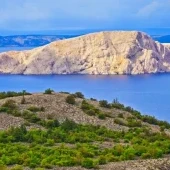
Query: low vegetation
pixel 48 91
pixel 70 99
pixel 4 95
pixel 65 143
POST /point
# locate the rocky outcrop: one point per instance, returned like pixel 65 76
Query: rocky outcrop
pixel 119 52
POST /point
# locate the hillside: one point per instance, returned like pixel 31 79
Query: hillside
pixel 29 40
pixel 119 52
pixel 66 131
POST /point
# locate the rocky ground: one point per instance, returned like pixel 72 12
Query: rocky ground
pixel 56 107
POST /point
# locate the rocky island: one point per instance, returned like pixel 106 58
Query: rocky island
pixel 119 52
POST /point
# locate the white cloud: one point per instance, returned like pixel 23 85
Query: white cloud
pixel 149 9
pixel 53 14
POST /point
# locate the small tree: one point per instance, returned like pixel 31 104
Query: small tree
pixel 68 125
pixel 104 103
pixel 23 97
pixel 70 99
pixel 88 163
pixel 79 95
pixel 48 91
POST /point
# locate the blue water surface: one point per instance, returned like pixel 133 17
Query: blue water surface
pixel 149 94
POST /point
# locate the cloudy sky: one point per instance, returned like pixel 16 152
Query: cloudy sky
pixel 37 15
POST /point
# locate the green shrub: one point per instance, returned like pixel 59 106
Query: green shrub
pixel 88 163
pixel 101 116
pixel 3 109
pixel 79 95
pixel 68 125
pixel 129 154
pixel 86 106
pixel 120 122
pixel 4 95
pixel 92 99
pixel 11 104
pixel 70 99
pixel 146 155
pixel 31 117
pixel 50 142
pixel 134 123
pixel 90 112
pixel 48 91
pixel 104 103
pixel 36 109
pixel 102 160
pixel 52 123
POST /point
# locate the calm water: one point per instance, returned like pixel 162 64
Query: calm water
pixel 149 94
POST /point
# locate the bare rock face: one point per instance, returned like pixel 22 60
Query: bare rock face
pixel 119 52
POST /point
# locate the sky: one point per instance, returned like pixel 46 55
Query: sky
pixel 40 15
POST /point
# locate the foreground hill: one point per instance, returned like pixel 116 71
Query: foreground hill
pixel 63 131
pixel 99 53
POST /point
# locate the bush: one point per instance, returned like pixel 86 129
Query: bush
pixel 102 160
pixel 4 95
pixel 79 95
pixel 92 99
pixel 68 125
pixel 70 99
pixel 134 123
pixel 48 91
pixel 129 154
pixel 120 122
pixel 3 109
pixel 104 103
pixel 101 116
pixel 36 109
pixel 88 163
pixel 90 112
pixel 52 123
pixel 11 104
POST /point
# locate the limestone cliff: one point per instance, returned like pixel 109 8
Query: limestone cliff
pixel 119 52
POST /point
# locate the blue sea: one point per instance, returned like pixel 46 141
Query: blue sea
pixel 149 94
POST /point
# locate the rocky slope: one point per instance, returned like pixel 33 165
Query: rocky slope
pixel 97 53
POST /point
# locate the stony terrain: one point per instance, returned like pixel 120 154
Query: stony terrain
pixel 119 52
pixel 56 107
